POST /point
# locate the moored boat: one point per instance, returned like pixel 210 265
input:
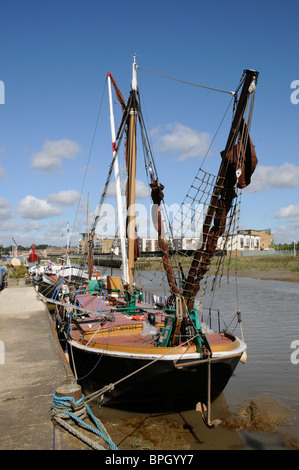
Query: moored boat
pixel 127 351
pixel 3 277
pixel 130 350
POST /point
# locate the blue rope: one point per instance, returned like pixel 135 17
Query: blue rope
pixel 69 325
pixel 57 289
pixel 65 402
pixel 77 294
pixel 80 302
pixel 100 298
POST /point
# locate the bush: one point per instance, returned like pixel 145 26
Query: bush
pixel 18 271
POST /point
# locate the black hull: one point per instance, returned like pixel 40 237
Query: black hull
pixel 158 386
pixel 51 291
pixel 47 290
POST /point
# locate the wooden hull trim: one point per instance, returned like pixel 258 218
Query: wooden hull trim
pixel 163 354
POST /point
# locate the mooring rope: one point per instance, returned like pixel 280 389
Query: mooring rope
pixel 67 407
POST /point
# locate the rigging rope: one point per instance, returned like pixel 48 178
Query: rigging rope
pixel 119 137
pixel 186 81
pixel 89 155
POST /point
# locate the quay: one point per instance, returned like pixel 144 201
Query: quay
pixel 32 367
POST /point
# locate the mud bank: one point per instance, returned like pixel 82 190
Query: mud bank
pixel 262 414
pixel 270 275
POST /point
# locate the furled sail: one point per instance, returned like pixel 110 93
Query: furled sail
pixel 237 164
pixel 157 197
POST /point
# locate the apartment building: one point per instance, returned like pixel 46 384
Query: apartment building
pixel 243 240
pixel 101 245
pixel 266 237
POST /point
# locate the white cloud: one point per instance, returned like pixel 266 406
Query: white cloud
pixel 32 226
pixel 289 232
pixel 9 226
pixel 64 198
pixel 182 140
pixel 286 233
pixel 272 177
pixel 32 208
pixel 49 159
pixel 289 212
pixel 2 172
pixel 5 209
pixel 142 191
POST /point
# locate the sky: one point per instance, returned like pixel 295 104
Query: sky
pixel 55 141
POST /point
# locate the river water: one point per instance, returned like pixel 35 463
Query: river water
pixel 270 315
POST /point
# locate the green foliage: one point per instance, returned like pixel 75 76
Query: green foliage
pixel 18 272
pixel 266 263
pixel 286 246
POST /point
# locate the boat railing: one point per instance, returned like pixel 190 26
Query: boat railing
pixel 215 320
pixel 153 299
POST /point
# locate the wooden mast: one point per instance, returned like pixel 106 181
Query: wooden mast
pixel 131 165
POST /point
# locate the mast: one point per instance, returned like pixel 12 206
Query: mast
pixel 126 278
pixel 67 242
pixel 87 220
pixel 237 165
pixel 131 166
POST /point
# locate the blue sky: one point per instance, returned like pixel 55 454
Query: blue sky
pixel 53 64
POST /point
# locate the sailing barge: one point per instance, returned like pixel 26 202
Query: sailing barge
pixel 126 349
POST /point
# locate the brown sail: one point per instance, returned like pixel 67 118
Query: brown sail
pixel 157 197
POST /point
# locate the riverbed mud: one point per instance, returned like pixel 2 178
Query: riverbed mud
pixel 259 414
pixel 171 430
pixel 148 433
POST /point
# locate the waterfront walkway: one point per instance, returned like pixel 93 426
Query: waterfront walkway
pixel 32 367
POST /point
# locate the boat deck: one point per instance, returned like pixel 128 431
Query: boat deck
pixel 114 328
